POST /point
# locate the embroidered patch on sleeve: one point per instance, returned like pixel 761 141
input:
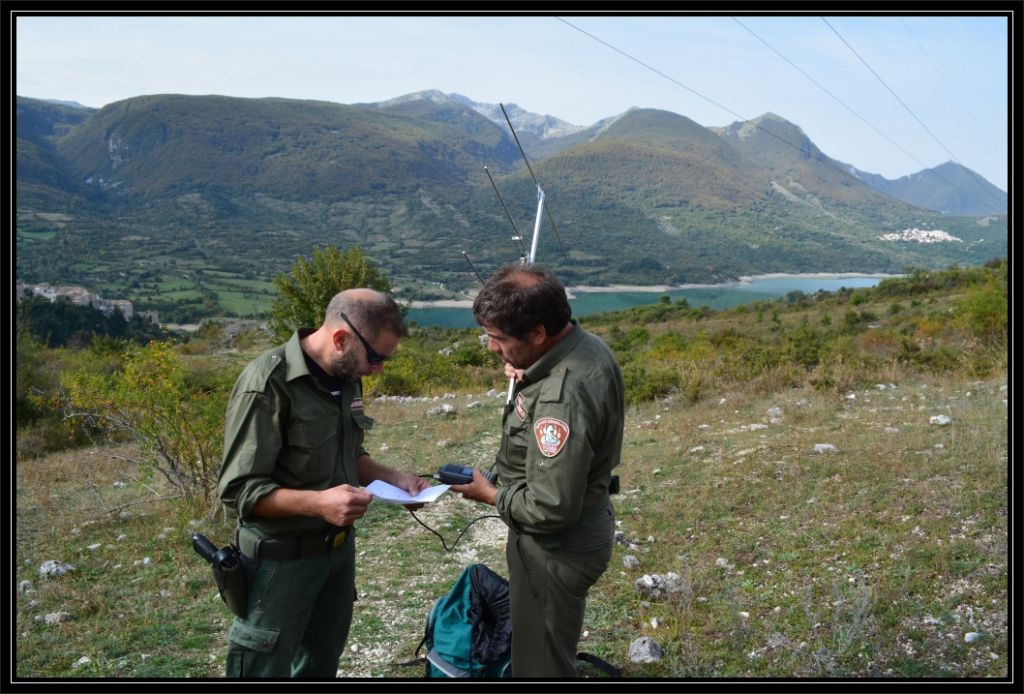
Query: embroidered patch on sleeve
pixel 551 435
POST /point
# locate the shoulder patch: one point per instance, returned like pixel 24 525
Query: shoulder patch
pixel 551 435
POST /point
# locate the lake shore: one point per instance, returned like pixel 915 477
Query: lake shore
pixel 613 288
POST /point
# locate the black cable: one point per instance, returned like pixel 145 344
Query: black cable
pixel 981 129
pixel 443 543
pixel 822 88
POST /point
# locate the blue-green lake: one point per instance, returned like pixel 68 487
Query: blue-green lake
pixel 716 297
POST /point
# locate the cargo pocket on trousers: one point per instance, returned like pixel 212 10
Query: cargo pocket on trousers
pixel 253 638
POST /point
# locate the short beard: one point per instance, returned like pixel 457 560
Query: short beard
pixel 346 367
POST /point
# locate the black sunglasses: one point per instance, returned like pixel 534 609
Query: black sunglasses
pixel 372 355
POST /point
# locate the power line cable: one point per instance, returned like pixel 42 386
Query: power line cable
pixel 822 88
pixel 822 159
pixel 904 105
pixel 660 73
pixel 851 110
pixel 981 128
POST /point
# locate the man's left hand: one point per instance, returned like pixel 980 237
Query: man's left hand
pixel 413 484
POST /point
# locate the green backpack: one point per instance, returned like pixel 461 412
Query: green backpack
pixel 469 632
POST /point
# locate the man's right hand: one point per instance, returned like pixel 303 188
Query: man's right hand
pixel 344 504
pixel 480 489
pixel 513 372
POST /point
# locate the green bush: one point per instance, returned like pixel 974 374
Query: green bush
pixel 43 424
pixel 472 353
pixel 935 358
pixel 177 427
pixel 645 382
pixel 803 346
pixel 985 311
pixel 669 345
pixel 623 343
pixel 417 371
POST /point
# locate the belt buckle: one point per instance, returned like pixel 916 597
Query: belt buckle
pixel 336 537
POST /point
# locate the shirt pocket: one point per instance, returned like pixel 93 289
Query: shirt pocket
pixel 312 450
pixel 517 440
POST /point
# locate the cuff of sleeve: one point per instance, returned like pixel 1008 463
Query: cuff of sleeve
pixel 250 496
pixel 503 503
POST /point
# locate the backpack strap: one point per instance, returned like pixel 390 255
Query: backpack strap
pixel 600 664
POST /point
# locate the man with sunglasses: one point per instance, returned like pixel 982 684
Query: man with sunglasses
pixel 293 468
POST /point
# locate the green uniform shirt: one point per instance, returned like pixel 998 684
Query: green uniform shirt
pixel 283 429
pixel 562 435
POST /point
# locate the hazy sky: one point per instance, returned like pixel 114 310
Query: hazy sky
pixel 949 72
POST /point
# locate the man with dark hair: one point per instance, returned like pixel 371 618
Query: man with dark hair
pixel 293 465
pixel 561 438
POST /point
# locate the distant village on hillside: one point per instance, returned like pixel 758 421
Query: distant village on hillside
pixel 83 297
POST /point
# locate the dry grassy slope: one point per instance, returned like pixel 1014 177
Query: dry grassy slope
pixel 894 543
pixel 875 560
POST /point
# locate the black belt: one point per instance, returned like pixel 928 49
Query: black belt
pixel 294 547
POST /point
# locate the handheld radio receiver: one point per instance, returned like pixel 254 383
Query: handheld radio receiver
pixel 461 474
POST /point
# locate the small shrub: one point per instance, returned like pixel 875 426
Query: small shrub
pixel 984 311
pixel 803 346
pixel 648 381
pixel 416 370
pixel 775 379
pixel 693 383
pixel 178 429
pixel 473 354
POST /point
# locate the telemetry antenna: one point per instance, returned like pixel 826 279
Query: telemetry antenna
pixel 518 237
pixel 540 194
pixel 541 207
pixel 466 256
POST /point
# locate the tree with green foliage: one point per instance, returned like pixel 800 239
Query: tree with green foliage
pixel 177 427
pixel 303 293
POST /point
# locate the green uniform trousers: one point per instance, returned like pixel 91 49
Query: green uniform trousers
pixel 549 577
pixel 299 614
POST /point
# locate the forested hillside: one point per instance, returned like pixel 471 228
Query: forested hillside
pixel 189 205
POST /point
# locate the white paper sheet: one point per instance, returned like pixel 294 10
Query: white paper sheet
pixel 393 495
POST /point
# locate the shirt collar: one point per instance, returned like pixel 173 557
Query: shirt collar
pixel 294 357
pixel 542 367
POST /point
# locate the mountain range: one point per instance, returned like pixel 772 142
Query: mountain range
pixel 148 195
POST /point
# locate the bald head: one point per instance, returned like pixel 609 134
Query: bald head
pixel 369 310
